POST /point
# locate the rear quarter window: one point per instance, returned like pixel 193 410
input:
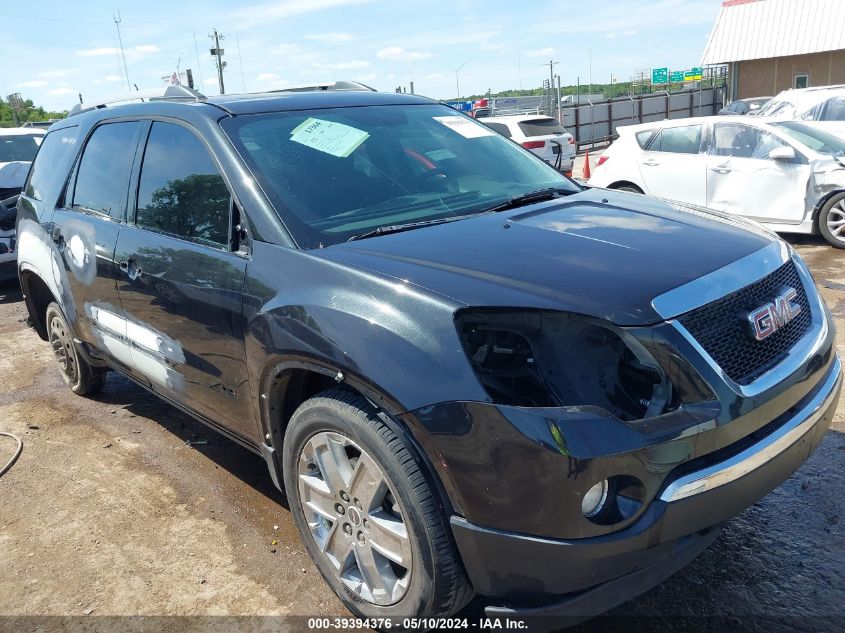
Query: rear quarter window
pixel 644 137
pixel 51 162
pixel 501 128
pixel 540 127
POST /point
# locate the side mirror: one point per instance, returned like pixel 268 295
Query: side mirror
pixel 782 153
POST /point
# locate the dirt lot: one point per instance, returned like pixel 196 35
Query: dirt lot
pixel 111 512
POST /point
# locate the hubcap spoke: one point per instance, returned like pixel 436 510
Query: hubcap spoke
pixel 332 462
pixel 366 483
pixel 372 570
pixel 320 498
pixel 389 537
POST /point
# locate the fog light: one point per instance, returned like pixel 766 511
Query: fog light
pixel 594 499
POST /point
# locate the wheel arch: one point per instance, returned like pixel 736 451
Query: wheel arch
pixel 823 201
pixel 289 382
pixel 625 183
pixel 37 296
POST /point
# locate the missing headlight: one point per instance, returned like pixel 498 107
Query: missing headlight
pixel 552 359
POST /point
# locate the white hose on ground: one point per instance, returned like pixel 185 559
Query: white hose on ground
pixel 15 456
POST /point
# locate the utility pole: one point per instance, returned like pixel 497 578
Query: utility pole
pixel 217 52
pixel 551 93
pixel 559 110
pixel 117 21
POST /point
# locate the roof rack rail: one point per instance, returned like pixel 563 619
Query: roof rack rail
pixel 337 85
pixel 175 93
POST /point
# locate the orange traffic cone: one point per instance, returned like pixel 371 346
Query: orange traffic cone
pixel 585 174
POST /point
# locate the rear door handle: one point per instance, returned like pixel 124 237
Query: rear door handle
pixel 721 169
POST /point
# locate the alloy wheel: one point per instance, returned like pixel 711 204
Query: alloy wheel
pixel 355 518
pixel 836 220
pixel 62 343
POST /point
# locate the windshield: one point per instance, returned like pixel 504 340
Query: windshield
pixel 19 147
pixel 815 139
pixel 336 173
pixel 777 108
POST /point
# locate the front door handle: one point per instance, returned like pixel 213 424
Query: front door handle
pixel 131 268
pixel 651 162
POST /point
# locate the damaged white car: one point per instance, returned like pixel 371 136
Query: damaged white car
pixel 786 175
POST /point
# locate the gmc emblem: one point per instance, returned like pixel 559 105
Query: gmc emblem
pixel 768 319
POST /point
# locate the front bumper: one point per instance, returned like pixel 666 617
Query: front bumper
pixel 579 578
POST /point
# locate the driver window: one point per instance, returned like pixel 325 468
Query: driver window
pixel 742 141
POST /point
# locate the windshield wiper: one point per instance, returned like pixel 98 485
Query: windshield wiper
pixel 398 228
pixel 523 199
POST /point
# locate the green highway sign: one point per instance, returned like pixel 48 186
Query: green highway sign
pixel 676 76
pixel 693 74
pixel 659 75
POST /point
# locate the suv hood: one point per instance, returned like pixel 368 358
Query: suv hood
pixel 602 253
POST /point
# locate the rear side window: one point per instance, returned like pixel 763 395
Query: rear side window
pixel 181 191
pixel 540 127
pixel 501 128
pixel 644 137
pixel 18 147
pixel 834 110
pixel 50 162
pixel 102 180
pixel 678 140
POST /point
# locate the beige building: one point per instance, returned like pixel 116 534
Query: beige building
pixel 774 45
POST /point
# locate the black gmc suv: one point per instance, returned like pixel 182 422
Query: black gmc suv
pixel 470 374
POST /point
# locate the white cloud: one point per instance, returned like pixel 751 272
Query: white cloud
pixel 103 51
pixel 35 83
pixel 542 52
pixel 329 37
pixel 433 75
pixel 261 14
pixel 395 54
pixel 267 77
pixel 350 65
pixel 368 77
pixel 285 49
pixel 58 72
pixel 108 79
pixel 57 92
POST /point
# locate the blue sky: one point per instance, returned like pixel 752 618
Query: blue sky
pixel 51 54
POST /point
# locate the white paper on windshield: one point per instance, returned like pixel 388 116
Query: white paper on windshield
pixel 465 127
pixel 332 138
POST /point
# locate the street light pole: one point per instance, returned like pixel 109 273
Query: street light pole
pixel 457 80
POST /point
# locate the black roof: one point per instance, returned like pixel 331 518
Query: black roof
pixel 277 101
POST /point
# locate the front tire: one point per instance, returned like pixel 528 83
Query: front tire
pixel 369 519
pixel 832 220
pixel 82 379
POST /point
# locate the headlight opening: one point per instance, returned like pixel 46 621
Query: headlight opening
pixel 555 359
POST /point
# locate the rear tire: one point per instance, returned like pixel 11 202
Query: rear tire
pixel 390 553
pixel 82 379
pixel 832 220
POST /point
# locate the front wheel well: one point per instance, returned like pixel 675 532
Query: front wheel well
pixel 619 184
pixel 37 296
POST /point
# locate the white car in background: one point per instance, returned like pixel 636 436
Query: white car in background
pixel 825 105
pixel 18 147
pixel 541 134
pixel 786 175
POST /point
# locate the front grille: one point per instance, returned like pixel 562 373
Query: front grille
pixel 721 328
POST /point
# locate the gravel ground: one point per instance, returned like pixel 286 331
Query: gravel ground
pixel 123 506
